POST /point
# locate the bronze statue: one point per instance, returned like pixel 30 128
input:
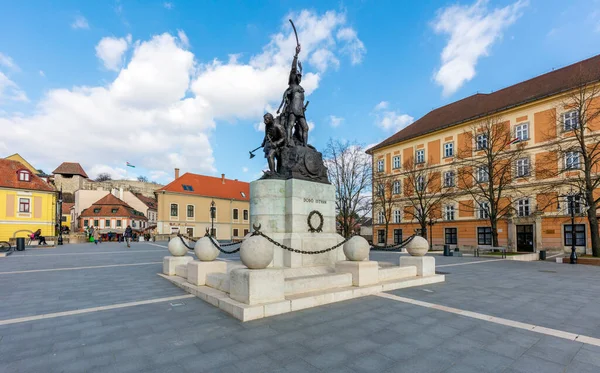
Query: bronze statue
pixel 273 141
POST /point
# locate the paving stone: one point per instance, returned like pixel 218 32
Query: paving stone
pixel 371 362
pixel 531 364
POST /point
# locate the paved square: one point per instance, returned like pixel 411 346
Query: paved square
pixel 103 309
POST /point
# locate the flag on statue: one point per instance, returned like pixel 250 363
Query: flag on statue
pixel 130 165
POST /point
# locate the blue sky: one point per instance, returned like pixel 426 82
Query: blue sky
pixel 166 84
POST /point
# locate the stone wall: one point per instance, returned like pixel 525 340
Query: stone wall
pixel 133 186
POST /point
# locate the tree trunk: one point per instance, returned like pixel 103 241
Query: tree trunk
pixel 387 225
pixel 424 230
pixel 593 220
pixel 494 233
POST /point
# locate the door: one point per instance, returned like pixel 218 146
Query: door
pixel 525 238
pixel 381 236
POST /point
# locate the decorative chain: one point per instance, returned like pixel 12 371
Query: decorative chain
pixel 395 246
pixel 221 250
pixel 259 233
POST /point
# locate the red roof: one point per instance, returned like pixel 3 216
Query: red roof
pixel 209 186
pixel 111 206
pixel 70 168
pixel 150 202
pixel 66 208
pixel 9 177
pixel 481 104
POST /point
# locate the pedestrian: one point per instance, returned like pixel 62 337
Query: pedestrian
pixel 96 236
pixel 37 235
pixel 128 235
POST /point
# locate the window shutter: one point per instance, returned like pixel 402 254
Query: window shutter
pixel 10 205
pixel 37 207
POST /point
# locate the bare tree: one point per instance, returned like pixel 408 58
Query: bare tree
pixel 486 172
pixel 142 178
pixel 105 176
pixel 424 193
pixel 573 154
pixel 386 198
pixel 349 170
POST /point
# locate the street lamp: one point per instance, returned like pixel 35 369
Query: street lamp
pixel 430 223
pixel 60 202
pixel 212 217
pixel 571 207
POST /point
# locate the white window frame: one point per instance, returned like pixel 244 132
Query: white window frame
pixel 396 162
pixel 449 212
pixel 396 187
pixel 420 183
pixel 380 165
pixel 171 216
pixel 578 202
pixel 245 212
pixel 570 120
pixel 523 207
pixel 448 150
pixel 233 214
pixel 380 217
pixel 482 141
pixel 522 166
pixel 380 189
pixel 483 209
pixel 28 206
pixel 397 216
pixel 522 131
pixel 483 176
pixel 570 163
pixel 449 176
pixel 420 156
pixel 193 210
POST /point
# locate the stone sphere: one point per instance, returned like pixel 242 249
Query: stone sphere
pixel 357 249
pixel 256 252
pixel 206 250
pixel 176 247
pixel 418 246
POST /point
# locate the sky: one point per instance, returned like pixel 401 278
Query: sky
pixel 165 84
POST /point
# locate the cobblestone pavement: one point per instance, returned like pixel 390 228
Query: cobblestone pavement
pixel 370 334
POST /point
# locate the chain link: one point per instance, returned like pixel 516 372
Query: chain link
pixel 215 244
pixel 395 246
pixel 259 233
pixel 221 250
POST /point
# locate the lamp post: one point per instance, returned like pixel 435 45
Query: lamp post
pixel 59 208
pixel 212 217
pixel 430 223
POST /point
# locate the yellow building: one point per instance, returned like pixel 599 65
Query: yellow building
pixel 541 118
pixel 27 202
pixel 184 206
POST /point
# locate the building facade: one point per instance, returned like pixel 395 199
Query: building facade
pixel 112 215
pixel 27 203
pixel 184 206
pixel 539 118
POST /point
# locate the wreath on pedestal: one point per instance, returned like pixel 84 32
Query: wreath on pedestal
pixel 311 228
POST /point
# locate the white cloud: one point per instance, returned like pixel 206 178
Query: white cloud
pixel 353 45
pixel 472 30
pixel 42 73
pixel 322 58
pixel 161 109
pixel 117 173
pixel 6 61
pixel 111 51
pixel 183 38
pixel 335 121
pixel 10 90
pixel 80 23
pixel 244 169
pixel 168 5
pixel 390 120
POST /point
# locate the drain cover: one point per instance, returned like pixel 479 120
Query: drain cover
pixel 177 304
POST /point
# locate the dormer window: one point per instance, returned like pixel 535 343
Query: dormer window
pixel 24 175
pixel 96 210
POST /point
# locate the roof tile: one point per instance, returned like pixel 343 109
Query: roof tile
pixel 10 179
pixel 209 186
pixel 70 168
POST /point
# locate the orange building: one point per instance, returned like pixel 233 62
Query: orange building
pixel 112 215
pixel 536 114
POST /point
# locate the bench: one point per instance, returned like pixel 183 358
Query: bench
pixel 480 250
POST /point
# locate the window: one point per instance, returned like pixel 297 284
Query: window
pixel 396 187
pixel 63 218
pixel 133 223
pixel 482 142
pixel 114 210
pixel 579 234
pixel 570 120
pixel 107 223
pixel 448 149
pixel 86 222
pixel 483 176
pixel 190 211
pixel 449 179
pixel 246 232
pixel 190 231
pixel 380 165
pixel 24 175
pixel 380 189
pixel 24 205
pixel 451 236
pixel 96 223
pixel 396 162
pixel 449 212
pixel 484 235
pixel 245 214
pixel 189 188
pixel 243 194
pixel 381 236
pixel 522 167
pixel 397 216
pixel 96 210
pixel 420 156
pixel 174 208
pixel 483 212
pixel 523 207
pixel 573 204
pixel 118 223
pixel 420 183
pixel 397 236
pixel 522 132
pixel 381 217
pixel 236 214
pixel 571 160
pixel 235 232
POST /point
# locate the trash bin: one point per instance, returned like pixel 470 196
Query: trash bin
pixel 542 254
pixel 20 243
pixel 446 250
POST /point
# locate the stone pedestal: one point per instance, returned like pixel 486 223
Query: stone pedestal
pixel 197 271
pixel 170 262
pixel 425 264
pixel 363 273
pixel 282 208
pixel 256 286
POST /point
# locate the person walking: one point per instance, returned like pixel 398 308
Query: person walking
pixel 128 234
pixel 96 235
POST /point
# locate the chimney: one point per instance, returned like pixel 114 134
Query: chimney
pixel 176 173
pixel 120 193
pixel 222 178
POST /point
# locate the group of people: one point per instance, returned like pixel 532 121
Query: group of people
pixel 94 235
